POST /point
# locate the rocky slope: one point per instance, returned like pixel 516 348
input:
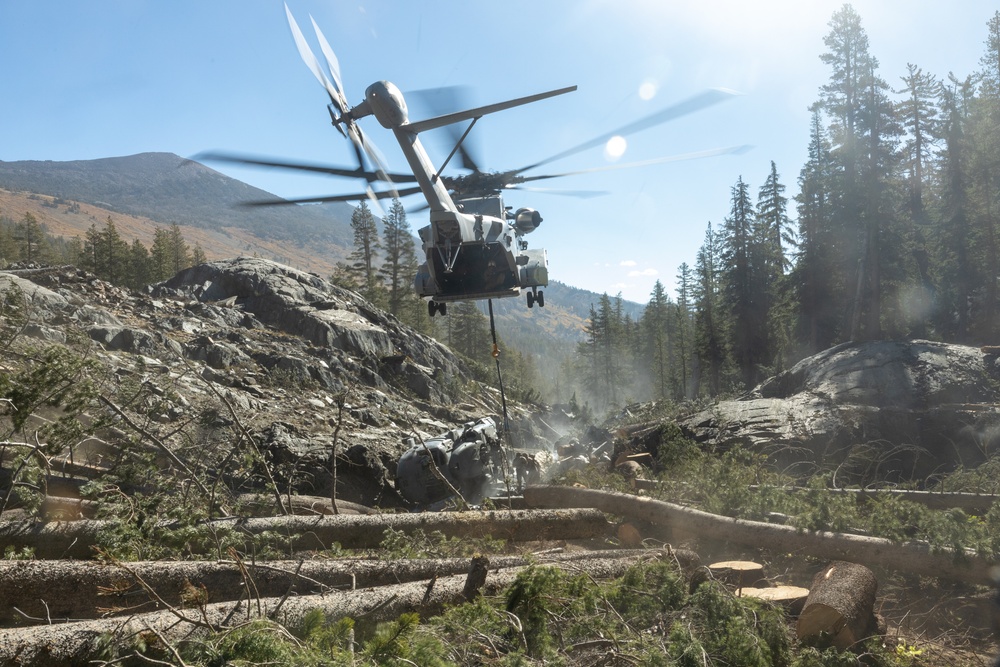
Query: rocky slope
pixel 304 365
pixel 882 410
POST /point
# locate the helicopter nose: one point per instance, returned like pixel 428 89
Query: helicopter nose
pixel 387 104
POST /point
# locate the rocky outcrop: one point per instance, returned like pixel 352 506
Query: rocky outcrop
pixel 328 317
pixel 907 409
pixel 310 367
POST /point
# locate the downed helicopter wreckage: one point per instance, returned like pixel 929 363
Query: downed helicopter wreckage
pixel 469 460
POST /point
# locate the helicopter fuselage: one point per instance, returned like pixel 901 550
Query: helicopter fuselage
pixel 474 248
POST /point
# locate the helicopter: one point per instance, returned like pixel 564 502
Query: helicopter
pixel 474 246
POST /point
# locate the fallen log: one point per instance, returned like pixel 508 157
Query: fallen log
pixel 74 643
pixel 840 606
pixel 77 539
pixel 973 503
pixel 266 505
pixel 64 590
pixel 913 557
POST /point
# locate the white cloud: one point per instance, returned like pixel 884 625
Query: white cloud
pixel 628 262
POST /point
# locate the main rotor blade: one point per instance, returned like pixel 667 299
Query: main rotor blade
pixel 309 58
pixel 582 194
pixel 448 119
pixel 735 150
pixel 690 105
pixel 302 166
pixel 332 198
pixel 441 101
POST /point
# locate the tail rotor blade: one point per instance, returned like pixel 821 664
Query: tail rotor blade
pixel 331 57
pixel 309 58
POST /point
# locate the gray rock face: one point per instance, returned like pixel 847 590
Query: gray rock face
pixel 307 367
pixel 306 306
pixel 909 409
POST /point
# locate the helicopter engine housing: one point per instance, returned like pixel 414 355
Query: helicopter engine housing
pixel 527 220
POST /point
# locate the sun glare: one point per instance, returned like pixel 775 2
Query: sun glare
pixel 647 90
pixel 615 147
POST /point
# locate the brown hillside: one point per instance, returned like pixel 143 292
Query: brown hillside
pixel 225 243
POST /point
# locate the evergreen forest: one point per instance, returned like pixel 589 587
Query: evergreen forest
pixel 894 234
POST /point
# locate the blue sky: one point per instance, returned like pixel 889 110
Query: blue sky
pixel 102 78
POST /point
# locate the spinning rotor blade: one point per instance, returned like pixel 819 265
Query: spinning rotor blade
pixel 469 114
pixel 309 58
pixel 444 100
pixel 582 194
pixel 696 103
pixel 735 150
pixel 302 166
pixel 331 59
pixel 333 198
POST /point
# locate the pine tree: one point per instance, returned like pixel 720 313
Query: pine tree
pixel 400 265
pixel 140 266
pixel 863 133
pixel 470 331
pixel 31 239
pixel 683 336
pixel 738 282
pixel 772 233
pixel 984 139
pixel 957 273
pixel 161 255
pixel 655 325
pixel 366 247
pixel 114 251
pixel 816 283
pixel 708 319
pixel 179 253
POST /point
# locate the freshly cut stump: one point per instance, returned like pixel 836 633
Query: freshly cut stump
pixel 840 605
pixel 792 598
pixel 739 573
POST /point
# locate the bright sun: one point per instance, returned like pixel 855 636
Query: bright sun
pixel 615 147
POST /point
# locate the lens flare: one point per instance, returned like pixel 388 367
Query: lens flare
pixel 615 147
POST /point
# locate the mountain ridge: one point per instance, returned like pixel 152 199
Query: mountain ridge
pixel 143 191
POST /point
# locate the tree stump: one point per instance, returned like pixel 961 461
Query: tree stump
pixel 840 605
pixel 629 535
pixel 738 573
pixel 792 598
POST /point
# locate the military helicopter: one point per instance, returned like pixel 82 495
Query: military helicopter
pixel 474 246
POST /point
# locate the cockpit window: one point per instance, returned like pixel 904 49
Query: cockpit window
pixel 492 206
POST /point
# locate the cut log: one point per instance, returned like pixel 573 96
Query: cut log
pixel 73 643
pixel 791 598
pixel 76 539
pixel 73 589
pixel 973 503
pixel 266 505
pixel 912 557
pixel 840 606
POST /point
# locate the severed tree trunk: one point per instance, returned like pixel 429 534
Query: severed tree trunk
pixel 840 606
pixel 59 591
pixel 73 643
pixel 913 557
pixel 77 539
pixel 791 598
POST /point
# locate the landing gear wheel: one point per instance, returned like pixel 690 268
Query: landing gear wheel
pixel 540 298
pixel 435 307
pixel 531 299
